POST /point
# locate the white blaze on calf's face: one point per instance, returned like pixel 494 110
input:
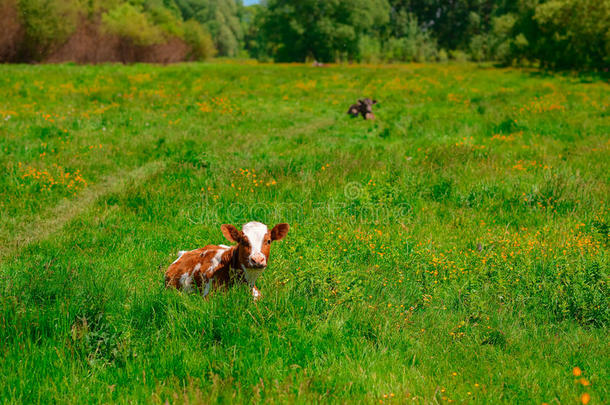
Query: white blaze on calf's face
pixel 257 235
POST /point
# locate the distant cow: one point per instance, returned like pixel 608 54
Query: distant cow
pixel 215 265
pixel 364 107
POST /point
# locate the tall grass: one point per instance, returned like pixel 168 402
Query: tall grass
pixel 455 249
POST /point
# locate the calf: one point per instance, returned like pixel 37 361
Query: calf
pixel 215 265
pixel 364 107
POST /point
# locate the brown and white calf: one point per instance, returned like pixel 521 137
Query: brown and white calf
pixel 215 265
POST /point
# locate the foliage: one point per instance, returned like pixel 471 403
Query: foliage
pixel 369 49
pixel 558 34
pixel 324 30
pixel 456 248
pixel 220 17
pixel 459 56
pixel 255 39
pixel 200 42
pixel 414 45
pixel 554 33
pixel 501 42
pixel 442 55
pixel 128 22
pixel 168 23
pixel 575 32
pixel 479 48
pixel 453 22
pixel 47 23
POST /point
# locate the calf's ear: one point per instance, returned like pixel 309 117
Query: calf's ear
pixel 231 233
pixel 279 231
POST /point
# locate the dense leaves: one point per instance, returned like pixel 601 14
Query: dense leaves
pixel 323 30
pixel 554 33
pixel 550 33
pixel 39 30
pixel 219 17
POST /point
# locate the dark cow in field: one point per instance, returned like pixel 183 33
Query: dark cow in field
pixel 364 107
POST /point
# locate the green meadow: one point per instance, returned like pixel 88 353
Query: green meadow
pixel 455 249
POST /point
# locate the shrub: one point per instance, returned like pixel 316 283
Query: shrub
pixel 415 46
pixel 369 49
pixel 393 50
pixel 167 22
pixel 442 56
pixel 225 40
pixel 501 44
pixel 575 32
pixel 47 24
pixel 479 48
pixel 199 41
pixel 458 56
pixel 126 21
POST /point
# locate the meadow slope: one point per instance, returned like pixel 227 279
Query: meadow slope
pixel 453 250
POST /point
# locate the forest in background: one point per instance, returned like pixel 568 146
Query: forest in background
pixel 560 34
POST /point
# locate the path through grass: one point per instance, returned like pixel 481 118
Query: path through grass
pixel 455 249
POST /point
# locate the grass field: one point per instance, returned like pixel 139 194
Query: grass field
pixel 453 250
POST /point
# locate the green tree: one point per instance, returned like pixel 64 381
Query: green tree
pixel 255 39
pixel 199 40
pixel 129 22
pixel 47 24
pixel 220 17
pixel 325 30
pixel 575 33
pixel 451 21
pixel 413 45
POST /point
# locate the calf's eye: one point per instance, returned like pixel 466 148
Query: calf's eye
pixel 268 241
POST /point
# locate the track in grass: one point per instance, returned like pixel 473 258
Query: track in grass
pixel 453 249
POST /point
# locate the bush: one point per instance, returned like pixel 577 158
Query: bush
pixel 200 42
pixel 575 32
pixel 167 22
pixel 226 41
pixel 442 56
pixel 415 46
pixel 501 44
pixel 221 19
pixel 369 49
pixel 126 21
pixel 479 48
pixel 458 56
pixel 47 24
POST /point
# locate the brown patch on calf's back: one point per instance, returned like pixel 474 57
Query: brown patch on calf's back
pixel 187 263
pixel 222 274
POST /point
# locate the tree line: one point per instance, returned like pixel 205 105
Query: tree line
pixel 550 33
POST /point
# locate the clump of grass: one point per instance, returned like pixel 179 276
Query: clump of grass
pixel 454 249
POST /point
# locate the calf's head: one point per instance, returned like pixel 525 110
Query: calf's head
pixel 254 242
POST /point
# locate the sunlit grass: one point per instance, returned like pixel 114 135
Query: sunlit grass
pixel 453 250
